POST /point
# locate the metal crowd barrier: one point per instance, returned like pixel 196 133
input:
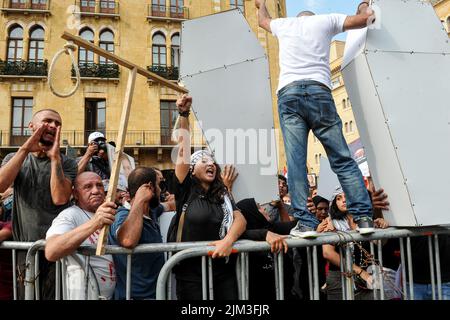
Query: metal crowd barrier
pixel 243 248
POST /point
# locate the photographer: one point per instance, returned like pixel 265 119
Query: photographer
pixel 96 157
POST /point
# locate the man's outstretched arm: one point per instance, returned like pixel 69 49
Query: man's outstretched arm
pixel 364 17
pixel 263 15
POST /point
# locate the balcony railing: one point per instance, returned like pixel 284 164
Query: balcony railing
pixel 98 70
pixel 144 138
pixel 97 8
pixel 26 6
pixel 24 68
pixel 170 73
pixel 161 12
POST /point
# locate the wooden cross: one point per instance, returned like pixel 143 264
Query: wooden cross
pixel 133 71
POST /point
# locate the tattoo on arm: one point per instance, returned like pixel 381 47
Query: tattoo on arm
pixel 60 173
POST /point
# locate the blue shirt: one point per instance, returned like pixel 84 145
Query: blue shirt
pixel 157 212
pixel 145 267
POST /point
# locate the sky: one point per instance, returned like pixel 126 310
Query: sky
pixel 321 7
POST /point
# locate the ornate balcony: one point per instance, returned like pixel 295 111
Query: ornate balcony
pixel 23 68
pixel 170 73
pixel 98 70
pixel 165 13
pixel 134 138
pixel 26 6
pixel 97 9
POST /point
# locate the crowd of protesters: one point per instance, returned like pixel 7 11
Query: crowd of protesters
pixel 46 195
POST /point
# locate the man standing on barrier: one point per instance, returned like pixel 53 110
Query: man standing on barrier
pixel 81 225
pixel 133 227
pixel 305 103
pixel 42 179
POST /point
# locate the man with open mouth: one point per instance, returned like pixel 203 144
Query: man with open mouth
pixel 42 179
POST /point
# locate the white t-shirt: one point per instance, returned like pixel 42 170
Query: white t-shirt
pixel 305 46
pixel 102 266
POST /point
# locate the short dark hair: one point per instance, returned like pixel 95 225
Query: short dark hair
pixel 306 13
pixel 45 110
pixel 138 177
pixel 281 177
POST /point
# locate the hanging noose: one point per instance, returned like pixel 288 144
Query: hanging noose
pixel 69 48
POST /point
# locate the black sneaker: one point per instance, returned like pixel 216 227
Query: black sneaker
pixel 365 225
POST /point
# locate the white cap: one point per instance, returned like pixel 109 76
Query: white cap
pixel 95 135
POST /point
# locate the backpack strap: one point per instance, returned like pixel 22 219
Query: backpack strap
pixel 181 220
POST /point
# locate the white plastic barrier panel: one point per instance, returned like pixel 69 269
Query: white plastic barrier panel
pixel 397 74
pixel 226 71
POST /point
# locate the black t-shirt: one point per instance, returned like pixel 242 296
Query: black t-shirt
pixel 33 208
pixel 202 222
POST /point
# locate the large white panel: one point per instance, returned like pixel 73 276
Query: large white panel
pixel 233 95
pixel 215 41
pixel 328 180
pixel 376 138
pixel 407 25
pixel 399 91
pixel 417 111
pixel 354 45
pixel 235 99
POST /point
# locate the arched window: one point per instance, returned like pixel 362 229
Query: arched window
pixel 348 103
pixel 36 48
pixel 85 56
pixel 351 126
pixel 346 127
pixel 316 158
pixel 176 50
pixel 159 50
pixel 15 43
pixel 107 43
pixel 344 104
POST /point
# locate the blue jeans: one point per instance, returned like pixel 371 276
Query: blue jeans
pixel 424 291
pixel 308 105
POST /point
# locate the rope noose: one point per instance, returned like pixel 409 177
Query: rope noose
pixel 69 48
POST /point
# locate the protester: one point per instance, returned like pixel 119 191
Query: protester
pixel 278 210
pixel 261 264
pixel 81 225
pixel 6 275
pixel 42 179
pixel 305 103
pixel 133 227
pixel 321 207
pixel 205 212
pixel 341 220
pixel 96 157
pixel 422 282
pixel 167 200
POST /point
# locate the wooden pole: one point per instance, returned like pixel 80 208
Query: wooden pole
pixel 120 143
pixel 125 63
pixel 133 71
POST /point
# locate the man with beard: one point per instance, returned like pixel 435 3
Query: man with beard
pixel 81 225
pixel 133 227
pixel 42 179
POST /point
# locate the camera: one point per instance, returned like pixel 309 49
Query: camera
pixel 102 145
